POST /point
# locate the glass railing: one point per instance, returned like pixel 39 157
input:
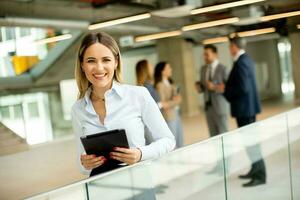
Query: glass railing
pixel 206 170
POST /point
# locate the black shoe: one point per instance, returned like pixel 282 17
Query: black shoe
pixel 254 182
pixel 246 176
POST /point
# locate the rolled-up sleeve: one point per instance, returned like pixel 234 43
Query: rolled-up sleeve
pixel 163 139
pixel 77 129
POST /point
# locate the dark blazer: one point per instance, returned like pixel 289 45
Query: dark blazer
pixel 241 90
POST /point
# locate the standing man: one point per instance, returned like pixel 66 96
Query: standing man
pixel 241 92
pixel 213 74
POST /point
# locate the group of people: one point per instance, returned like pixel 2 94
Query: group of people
pixel 165 93
pixel 150 114
pixel 240 91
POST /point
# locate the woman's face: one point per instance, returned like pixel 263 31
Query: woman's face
pixel 167 72
pixel 99 65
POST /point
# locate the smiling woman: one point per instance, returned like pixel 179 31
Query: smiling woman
pixel 104 103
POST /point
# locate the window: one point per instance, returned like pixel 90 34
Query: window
pixel 10 33
pixel 33 110
pixel 18 113
pixel 25 32
pixel 5 112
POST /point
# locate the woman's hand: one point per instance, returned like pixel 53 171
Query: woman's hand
pixel 91 161
pixel 177 98
pixel 128 156
pixel 165 105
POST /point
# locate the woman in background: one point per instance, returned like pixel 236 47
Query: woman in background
pixel 169 93
pixel 144 76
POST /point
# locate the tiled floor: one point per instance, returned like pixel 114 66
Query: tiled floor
pixel 53 165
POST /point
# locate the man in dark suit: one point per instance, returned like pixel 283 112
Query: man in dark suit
pixel 241 93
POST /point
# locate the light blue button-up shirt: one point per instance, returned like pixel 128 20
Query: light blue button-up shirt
pixel 127 107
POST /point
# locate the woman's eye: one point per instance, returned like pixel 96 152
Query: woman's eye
pixel 90 61
pixel 106 60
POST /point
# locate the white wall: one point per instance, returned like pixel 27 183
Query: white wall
pixel 130 58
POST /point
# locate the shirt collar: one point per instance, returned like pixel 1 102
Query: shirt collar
pixel 215 63
pixel 166 81
pixel 115 89
pixel 236 57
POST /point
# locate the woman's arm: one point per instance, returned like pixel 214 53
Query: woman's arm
pixel 86 162
pixel 163 139
pixel 167 102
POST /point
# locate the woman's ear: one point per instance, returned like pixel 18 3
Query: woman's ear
pixel 116 65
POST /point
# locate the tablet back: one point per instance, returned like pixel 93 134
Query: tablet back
pixel 101 144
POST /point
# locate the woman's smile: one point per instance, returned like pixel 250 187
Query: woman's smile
pixel 100 76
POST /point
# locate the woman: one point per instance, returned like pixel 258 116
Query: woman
pixel 169 94
pixel 104 103
pixel 144 76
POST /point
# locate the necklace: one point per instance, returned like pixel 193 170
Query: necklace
pixel 97 97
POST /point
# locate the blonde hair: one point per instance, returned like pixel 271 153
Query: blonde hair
pixel 90 39
pixel 143 72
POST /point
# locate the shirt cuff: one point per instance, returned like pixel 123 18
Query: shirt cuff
pixel 83 170
pixel 159 105
pixel 146 153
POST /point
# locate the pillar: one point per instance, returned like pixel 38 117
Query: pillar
pixel 180 54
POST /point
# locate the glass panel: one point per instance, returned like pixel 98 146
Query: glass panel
pixel 117 185
pixel 262 147
pixel 75 192
pixel 194 172
pixel 294 139
pixel 142 182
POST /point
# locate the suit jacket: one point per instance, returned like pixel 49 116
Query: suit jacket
pixel 241 90
pixel 166 93
pixel 218 101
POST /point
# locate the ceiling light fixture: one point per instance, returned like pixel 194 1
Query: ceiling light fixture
pixel 53 39
pixel 215 40
pixel 223 6
pixel 279 16
pixel 157 36
pixel 256 32
pixel 210 24
pixel 119 21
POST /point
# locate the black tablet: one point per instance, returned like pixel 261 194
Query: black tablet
pixel 101 144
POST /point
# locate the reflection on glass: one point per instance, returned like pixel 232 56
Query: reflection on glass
pixel 194 172
pixel 267 141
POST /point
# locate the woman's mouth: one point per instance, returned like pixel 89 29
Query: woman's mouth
pixel 100 76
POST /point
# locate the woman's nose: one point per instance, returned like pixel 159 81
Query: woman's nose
pixel 100 65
